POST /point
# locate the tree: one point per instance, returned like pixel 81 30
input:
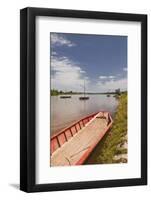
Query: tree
pixel 54 92
pixel 117 91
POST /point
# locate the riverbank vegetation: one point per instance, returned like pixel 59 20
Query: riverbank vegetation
pixel 113 147
pixel 55 92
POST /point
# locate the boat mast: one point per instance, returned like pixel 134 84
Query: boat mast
pixel 84 87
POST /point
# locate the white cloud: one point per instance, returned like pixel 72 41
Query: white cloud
pixel 102 77
pixel 53 53
pixel 112 85
pixel 67 75
pixel 125 69
pixel 59 40
pixel 107 77
pixel 111 77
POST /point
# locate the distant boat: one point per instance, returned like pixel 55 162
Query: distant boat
pixel 65 97
pixel 84 97
pixel 108 95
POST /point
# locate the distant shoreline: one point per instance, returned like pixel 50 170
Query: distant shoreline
pixel 88 93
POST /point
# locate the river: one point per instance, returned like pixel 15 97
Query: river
pixel 64 112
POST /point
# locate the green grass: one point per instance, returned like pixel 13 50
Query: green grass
pixel 112 142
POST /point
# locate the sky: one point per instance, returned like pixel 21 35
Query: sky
pixel 99 60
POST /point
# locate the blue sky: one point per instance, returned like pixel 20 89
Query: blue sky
pixel 100 60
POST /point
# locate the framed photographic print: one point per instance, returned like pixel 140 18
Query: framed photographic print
pixel 83 95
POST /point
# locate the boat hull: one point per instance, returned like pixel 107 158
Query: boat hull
pixel 65 97
pixel 73 145
pixel 83 98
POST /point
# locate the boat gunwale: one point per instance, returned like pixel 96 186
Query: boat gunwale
pixel 72 125
pixel 90 150
pixel 85 156
pixel 109 118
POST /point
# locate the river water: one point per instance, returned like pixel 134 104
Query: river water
pixel 64 112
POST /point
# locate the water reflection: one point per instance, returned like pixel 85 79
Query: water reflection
pixel 66 111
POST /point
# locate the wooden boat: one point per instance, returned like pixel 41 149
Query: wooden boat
pixel 73 145
pixel 65 97
pixel 83 98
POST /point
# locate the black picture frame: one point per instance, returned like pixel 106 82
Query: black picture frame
pixel 28 99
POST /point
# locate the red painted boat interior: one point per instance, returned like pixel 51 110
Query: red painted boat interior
pixel 60 138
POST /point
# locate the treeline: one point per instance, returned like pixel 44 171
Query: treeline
pixel 57 92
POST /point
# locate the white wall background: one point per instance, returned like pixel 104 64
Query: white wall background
pixel 9 98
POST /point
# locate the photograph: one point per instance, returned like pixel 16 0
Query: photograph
pixel 83 102
pixel 88 99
